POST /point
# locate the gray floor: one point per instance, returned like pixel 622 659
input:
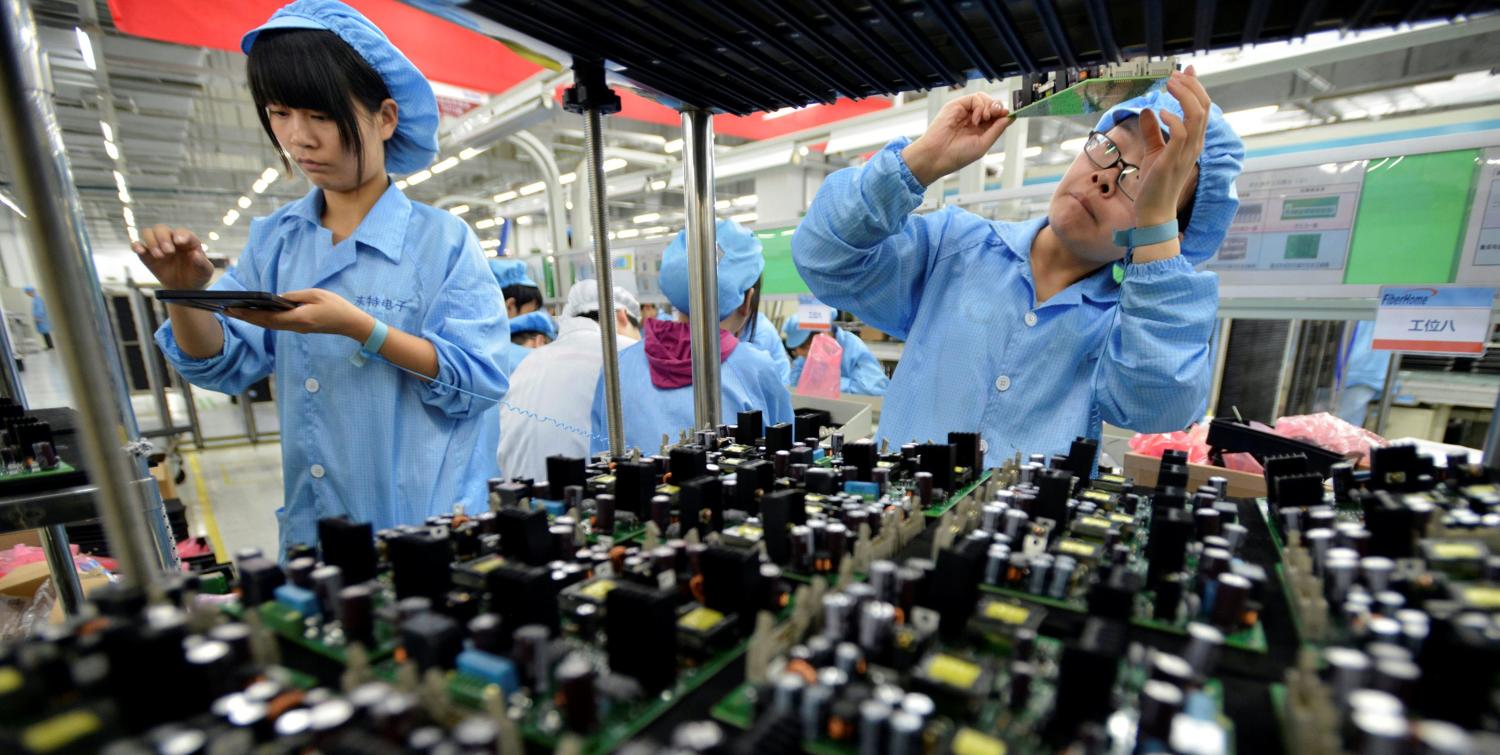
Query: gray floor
pixel 235 489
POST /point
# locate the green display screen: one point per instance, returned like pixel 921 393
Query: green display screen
pixel 1410 223
pixel 780 277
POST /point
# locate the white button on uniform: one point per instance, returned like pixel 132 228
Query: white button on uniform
pixel 311 384
pixel 1002 383
pixel 1030 319
pixel 317 471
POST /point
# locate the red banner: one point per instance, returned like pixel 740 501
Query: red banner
pixel 442 50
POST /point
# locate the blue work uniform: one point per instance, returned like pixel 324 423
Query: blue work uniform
pixel 39 315
pixel 746 382
pixel 370 443
pixel 768 340
pixel 981 353
pixel 860 372
pixel 514 353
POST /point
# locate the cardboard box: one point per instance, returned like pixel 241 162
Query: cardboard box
pixel 871 335
pixel 1143 470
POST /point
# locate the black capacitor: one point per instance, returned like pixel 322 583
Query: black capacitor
pixel 575 683
pixel 420 562
pixel 1086 678
pixel 259 578
pixel 661 512
pixel 635 484
pixel 300 570
pixel 700 503
pixel 236 637
pixel 862 455
pixel 604 514
pixel 523 595
pixel 821 480
pixel 1160 702
pixel 1055 487
pixel 641 635
pixel 1168 597
pixel 487 634
pixel 687 462
pixel 1166 547
pixel 778 438
pixel 748 427
pixel 431 640
pixel 1021 675
pixel 327 581
pixel 1081 455
pixel 926 483
pixel 1204 645
pixel 350 546
pixel 1208 522
pixel 564 471
pixel 874 723
pixel 524 535
pixel 938 460
pixel 803 455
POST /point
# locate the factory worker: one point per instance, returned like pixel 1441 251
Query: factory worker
pixel 1364 375
pixel 528 333
pixel 551 395
pixel 761 333
pixel 859 371
pixel 1033 333
pixel 656 375
pixel 381 283
pixel 521 293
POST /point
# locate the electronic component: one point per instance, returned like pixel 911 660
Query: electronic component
pixel 641 635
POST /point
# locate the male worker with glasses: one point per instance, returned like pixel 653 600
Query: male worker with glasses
pixel 1032 333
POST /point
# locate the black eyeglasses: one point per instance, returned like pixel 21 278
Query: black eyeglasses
pixel 1105 154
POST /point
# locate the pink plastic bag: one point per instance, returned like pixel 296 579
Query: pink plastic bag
pixel 820 373
pixel 1330 432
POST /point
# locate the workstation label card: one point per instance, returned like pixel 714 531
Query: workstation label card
pixel 1434 319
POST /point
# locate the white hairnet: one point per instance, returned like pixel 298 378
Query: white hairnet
pixel 583 298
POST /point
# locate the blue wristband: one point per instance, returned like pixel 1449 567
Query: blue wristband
pixel 1131 238
pixel 371 346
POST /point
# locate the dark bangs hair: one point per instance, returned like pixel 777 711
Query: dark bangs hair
pixel 312 69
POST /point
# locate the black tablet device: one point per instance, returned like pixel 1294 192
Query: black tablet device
pixel 218 301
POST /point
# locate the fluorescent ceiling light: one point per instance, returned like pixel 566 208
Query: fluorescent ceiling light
pixel 401 185
pixel 1033 151
pixel 1073 145
pixel 490 243
pixel 485 224
pixel 531 188
pixel 504 196
pixel 213 235
pixel 459 209
pixel 130 232
pixel 748 217
pixel 722 204
pixel 470 152
pixel 111 150
pixel 109 133
pixel 672 146
pixel 615 163
pixel 444 164
pixel 751 163
pixel 860 137
pixel 231 216
pixel 745 200
pixel 628 233
pixel 244 203
pixel 567 178
pixel 258 187
pixel 269 174
pixel 654 230
pixel 8 202
pixel 86 49
pixel 418 177
pixel 523 220
pixel 658 184
pixel 129 215
pixel 649 217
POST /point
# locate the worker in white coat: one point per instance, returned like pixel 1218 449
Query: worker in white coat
pixel 552 391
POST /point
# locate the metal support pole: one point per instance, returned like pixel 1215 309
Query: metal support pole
pixel 1221 360
pixel 247 414
pixel 65 267
pixel 64 573
pixel 155 379
pixel 1288 363
pixel 590 96
pixel 10 376
pixel 1492 438
pixel 1341 363
pixel 1388 393
pixel 702 259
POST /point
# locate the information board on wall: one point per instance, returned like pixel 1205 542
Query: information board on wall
pixel 1481 257
pixel 1294 221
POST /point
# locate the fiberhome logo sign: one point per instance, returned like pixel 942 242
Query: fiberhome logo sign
pixel 1411 297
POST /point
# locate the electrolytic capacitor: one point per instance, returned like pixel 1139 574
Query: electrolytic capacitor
pixel 661 512
pixel 990 520
pixel 1015 524
pixel 1207 521
pixel 874 719
pixel 562 538
pixel 919 705
pixel 1173 669
pixel 994 565
pixel 357 613
pixel 1021 675
pixel 781 463
pixel 1220 486
pixel 1037 581
pixel 575 683
pixel 1062 573
pixel 1160 702
pixel 1236 535
pixel 1377 571
pixel 1339 574
pixel 604 514
pixel 1397 677
pixel 1348 669
pixel 801 541
pixel 837 610
pixel 486 634
pixel 1291 520
pixel 1441 738
pixel 837 543
pixel 836 444
pixel 300 570
pixel 883 579
pixel 1213 562
pixel 1379 733
pixel 786 696
pixel 905 734
pixel 849 659
pixel 1203 647
pixel 813 710
pixel 1231 599
pixel 876 622
pixel 1319 542
pixel 881 476
pixel 529 649
pixel 924 488
pixel 327 582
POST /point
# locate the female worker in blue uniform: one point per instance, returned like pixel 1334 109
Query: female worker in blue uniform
pixel 656 374
pixel 760 332
pixel 528 333
pixel 376 278
pixel 1033 333
pixel 859 371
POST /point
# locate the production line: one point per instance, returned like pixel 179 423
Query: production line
pixel 961 560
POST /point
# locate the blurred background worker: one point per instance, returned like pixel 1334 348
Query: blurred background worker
pixel 39 315
pixel 551 394
pixel 656 375
pixel 1364 375
pixel 859 371
pixel 528 333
